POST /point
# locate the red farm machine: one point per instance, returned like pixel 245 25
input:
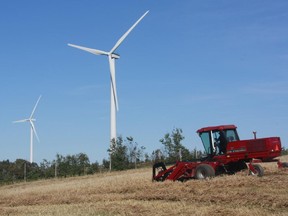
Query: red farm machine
pixel 225 154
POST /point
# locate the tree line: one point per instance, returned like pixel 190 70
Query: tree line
pixel 125 153
pixel 62 166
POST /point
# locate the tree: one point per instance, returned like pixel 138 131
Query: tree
pixel 173 147
pixel 6 174
pixel 135 153
pixel 18 169
pixel 106 163
pixel 82 163
pixel 196 154
pixel 284 151
pixel 47 169
pixel 72 165
pixel 93 168
pixel 33 171
pixel 118 154
pixel 62 167
pixel 157 156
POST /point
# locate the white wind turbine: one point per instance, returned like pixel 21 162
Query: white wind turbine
pixel 111 57
pixel 31 120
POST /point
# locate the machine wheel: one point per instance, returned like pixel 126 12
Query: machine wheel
pixel 285 165
pixel 259 170
pixel 159 167
pixel 204 171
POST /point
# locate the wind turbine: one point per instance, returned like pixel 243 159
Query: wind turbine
pixel 31 120
pixel 111 57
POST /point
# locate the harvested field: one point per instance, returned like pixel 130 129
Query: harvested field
pixel 132 193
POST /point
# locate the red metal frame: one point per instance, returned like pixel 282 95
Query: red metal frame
pixel 220 127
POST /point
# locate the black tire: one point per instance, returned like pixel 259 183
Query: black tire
pixel 285 165
pixel 259 170
pixel 154 171
pixel 204 171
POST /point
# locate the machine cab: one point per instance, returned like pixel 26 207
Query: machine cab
pixel 216 138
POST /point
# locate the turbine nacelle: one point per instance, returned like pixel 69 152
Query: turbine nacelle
pixel 115 56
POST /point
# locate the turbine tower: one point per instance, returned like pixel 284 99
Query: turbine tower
pixel 111 57
pixel 31 120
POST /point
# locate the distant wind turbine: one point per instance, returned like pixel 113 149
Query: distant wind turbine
pixel 111 57
pixel 31 120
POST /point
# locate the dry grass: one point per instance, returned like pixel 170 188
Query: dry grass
pixel 133 193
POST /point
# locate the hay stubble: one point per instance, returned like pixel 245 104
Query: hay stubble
pixel 133 193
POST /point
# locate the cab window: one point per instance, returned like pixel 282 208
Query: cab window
pixel 206 140
pixel 232 135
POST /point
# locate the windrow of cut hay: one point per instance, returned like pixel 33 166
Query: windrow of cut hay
pixel 132 192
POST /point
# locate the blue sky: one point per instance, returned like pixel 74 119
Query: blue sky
pixel 188 64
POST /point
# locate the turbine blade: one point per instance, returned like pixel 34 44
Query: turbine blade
pixel 35 107
pixel 19 121
pixel 126 34
pixel 113 80
pixel 34 130
pixel 93 51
